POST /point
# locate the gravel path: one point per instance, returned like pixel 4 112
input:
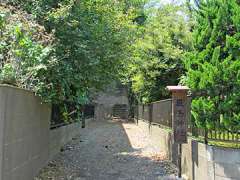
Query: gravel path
pixel 109 150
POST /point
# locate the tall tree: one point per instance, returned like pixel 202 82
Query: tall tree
pixel 213 67
pixel 157 61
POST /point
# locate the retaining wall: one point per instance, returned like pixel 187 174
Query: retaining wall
pixel 104 102
pixel 62 135
pixel 199 161
pixel 26 141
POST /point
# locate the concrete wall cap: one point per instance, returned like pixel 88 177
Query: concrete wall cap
pixel 178 88
pixel 15 87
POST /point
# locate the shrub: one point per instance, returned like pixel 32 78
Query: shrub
pixel 213 67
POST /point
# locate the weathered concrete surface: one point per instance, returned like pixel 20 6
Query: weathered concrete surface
pixel 2 124
pixel 162 138
pixel 26 142
pixel 110 150
pixel 104 101
pixel 226 163
pixel 199 161
pixel 25 133
pixel 61 136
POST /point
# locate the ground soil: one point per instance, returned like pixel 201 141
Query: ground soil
pixel 109 150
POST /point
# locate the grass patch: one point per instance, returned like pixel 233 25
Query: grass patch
pixel 217 143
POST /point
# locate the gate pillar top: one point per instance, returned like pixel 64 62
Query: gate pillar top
pixel 178 89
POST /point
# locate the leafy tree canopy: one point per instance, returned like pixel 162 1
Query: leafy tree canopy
pixel 91 42
pixel 158 52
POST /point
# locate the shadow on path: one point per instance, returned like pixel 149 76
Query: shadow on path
pixel 109 150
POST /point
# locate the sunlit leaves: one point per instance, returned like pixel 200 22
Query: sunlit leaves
pixel 213 67
pixel 157 59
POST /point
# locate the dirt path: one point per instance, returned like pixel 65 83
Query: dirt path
pixel 109 151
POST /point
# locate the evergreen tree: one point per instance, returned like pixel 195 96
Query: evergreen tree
pixel 213 67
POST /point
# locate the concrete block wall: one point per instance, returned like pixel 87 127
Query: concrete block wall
pixel 160 139
pixel 226 163
pixel 2 123
pixel 199 161
pixel 61 136
pixel 26 141
pixel 105 101
pixel 25 133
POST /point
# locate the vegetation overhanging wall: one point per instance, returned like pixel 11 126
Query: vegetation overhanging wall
pixel 26 141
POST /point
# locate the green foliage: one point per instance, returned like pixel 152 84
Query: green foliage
pixel 23 56
pixel 90 43
pixel 158 52
pixel 8 75
pixel 213 67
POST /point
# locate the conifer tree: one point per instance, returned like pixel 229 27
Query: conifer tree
pixel 213 67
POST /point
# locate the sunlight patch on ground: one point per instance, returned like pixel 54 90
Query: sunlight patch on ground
pixel 143 147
